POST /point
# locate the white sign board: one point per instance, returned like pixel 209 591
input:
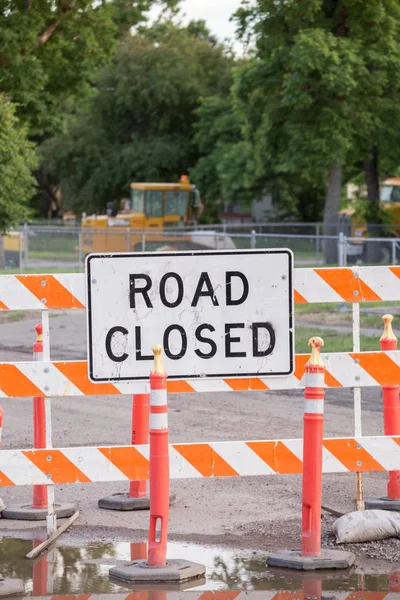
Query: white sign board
pixel 216 313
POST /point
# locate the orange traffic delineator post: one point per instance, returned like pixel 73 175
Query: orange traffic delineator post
pixel 137 497
pixel 159 465
pixel 140 434
pixel 157 569
pixel 391 420
pixel 39 425
pixel 311 557
pixel 39 509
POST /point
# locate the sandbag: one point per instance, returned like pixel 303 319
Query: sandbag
pixel 366 526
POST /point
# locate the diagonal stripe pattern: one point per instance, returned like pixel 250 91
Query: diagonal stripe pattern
pixel 350 284
pixel 187 461
pixel 61 379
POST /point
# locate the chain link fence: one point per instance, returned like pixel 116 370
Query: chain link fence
pixel 34 249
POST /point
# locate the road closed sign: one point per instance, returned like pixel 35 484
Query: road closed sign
pixel 216 314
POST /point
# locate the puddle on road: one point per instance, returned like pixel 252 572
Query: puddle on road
pixel 73 571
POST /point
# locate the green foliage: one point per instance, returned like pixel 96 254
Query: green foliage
pixel 223 153
pixel 17 160
pixel 138 126
pixel 51 51
pixel 323 87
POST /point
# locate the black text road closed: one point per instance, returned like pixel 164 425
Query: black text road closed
pixel 216 314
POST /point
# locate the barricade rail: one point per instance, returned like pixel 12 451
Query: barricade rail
pixel 187 461
pixel 46 378
pixel 69 378
pixel 67 290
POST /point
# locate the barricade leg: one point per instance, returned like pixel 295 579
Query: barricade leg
pixel 38 510
pixel 311 557
pixel 157 569
pixel 391 419
pixel 137 497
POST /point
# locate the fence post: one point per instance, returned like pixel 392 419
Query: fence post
pixel 21 252
pixel 26 244
pixel 157 570
pixel 311 557
pixel 253 242
pixel 341 250
pixel 79 251
pixel 317 242
pixel 391 418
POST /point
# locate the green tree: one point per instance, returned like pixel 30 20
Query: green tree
pixel 138 126
pixel 17 159
pixel 50 53
pixel 312 95
pixel 223 155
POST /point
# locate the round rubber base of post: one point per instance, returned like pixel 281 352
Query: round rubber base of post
pixel 175 571
pixel 329 559
pixel 382 504
pixel 11 587
pixel 122 501
pixel 25 512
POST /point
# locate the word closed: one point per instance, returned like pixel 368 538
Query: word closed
pixel 217 314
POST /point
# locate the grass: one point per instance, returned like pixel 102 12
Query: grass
pixel 54 254
pixel 368 320
pixel 332 307
pixel 334 341
pixel 44 271
pixel 16 316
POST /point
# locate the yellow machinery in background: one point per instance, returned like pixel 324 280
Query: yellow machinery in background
pixel 14 245
pixel 149 219
pixel 354 227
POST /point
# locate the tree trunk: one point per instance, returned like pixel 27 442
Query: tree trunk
pixel 371 167
pixel 331 209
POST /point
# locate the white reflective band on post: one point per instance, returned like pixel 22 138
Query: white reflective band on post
pixel 314 380
pixel 38 356
pixel 315 407
pixel 158 397
pixel 158 421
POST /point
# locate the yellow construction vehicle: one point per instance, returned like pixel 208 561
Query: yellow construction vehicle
pixel 13 248
pixel 150 219
pixel 355 227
